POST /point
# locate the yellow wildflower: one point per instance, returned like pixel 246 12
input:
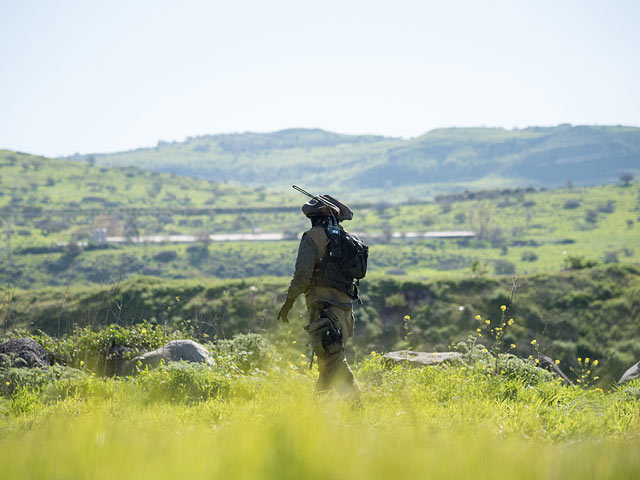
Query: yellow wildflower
pixel 487 322
pixel 579 360
pixel 81 362
pixel 586 360
pixel 407 317
pixel 534 341
pixel 595 363
pixel 557 362
pixel 293 341
pixel 7 383
pixel 510 322
pixel 478 317
pixel 513 345
pixel 478 330
pixel 484 350
pixel 143 331
pixel 503 307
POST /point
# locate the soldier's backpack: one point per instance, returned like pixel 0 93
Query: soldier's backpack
pixel 344 262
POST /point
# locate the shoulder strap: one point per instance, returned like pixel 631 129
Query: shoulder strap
pixel 319 237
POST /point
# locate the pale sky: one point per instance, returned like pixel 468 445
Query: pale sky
pixel 100 76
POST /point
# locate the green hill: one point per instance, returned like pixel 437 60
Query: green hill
pixel 442 160
pixel 48 206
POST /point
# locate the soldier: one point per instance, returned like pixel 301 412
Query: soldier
pixel 328 293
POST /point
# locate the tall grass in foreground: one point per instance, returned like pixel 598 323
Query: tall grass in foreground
pixel 184 421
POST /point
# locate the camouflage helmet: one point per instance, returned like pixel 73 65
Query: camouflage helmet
pixel 327 206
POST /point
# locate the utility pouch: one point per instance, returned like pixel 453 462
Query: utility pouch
pixel 326 336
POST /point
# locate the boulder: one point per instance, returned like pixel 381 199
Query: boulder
pixel 24 352
pixel 422 358
pixel 548 364
pixel 117 359
pixel 631 374
pixel 174 351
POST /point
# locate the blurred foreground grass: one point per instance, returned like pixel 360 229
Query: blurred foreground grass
pixel 442 422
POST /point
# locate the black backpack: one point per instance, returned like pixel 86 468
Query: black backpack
pixel 350 252
pixel 344 262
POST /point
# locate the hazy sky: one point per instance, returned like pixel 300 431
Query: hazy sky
pixel 96 76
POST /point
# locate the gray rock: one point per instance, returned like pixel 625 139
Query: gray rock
pixel 422 358
pixel 631 374
pixel 24 352
pixel 548 364
pixel 174 351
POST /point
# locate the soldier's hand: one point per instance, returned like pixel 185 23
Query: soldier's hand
pixel 283 314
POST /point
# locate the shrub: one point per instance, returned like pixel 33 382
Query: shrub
pixel 610 256
pixel 166 256
pixel 529 256
pixel 395 271
pixel 460 217
pixel 93 350
pixel 571 204
pixel 248 351
pixel 591 216
pixel 396 300
pixel 608 207
pixel 578 263
pixel 504 267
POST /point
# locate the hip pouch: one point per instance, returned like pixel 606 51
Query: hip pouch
pixel 326 336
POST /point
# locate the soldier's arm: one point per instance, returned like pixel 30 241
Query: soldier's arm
pixel 305 264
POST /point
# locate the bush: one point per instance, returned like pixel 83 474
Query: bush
pixel 94 350
pixel 166 256
pixel 460 217
pixel 571 204
pixel 591 216
pixel 611 256
pixel 529 256
pixel 578 263
pixel 248 351
pixel 504 267
pixel 395 271
pixel 396 300
pixel 608 207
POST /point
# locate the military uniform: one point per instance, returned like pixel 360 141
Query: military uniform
pixel 324 303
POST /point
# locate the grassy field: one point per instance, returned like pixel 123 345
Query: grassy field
pixel 178 421
pixel 45 203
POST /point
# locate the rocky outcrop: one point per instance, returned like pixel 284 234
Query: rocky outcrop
pixel 631 374
pixel 422 358
pixel 548 364
pixel 24 352
pixel 174 351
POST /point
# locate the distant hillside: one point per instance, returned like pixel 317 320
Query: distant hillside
pixel 44 201
pixel 442 160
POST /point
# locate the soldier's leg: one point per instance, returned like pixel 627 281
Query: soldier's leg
pixel 337 368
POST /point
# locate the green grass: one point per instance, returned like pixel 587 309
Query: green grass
pixel 529 231
pixel 579 313
pixel 443 422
